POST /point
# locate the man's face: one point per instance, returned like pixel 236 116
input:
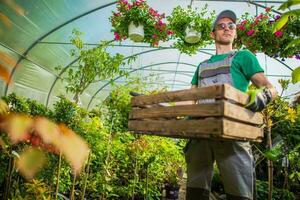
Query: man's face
pixel 224 34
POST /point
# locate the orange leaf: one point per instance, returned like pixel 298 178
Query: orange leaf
pixel 14 6
pixel 73 147
pixel 47 130
pixel 16 126
pixel 3 107
pixel 30 162
pixel 6 21
pixel 4 74
pixel 7 59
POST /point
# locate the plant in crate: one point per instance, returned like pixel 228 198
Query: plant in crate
pixel 139 22
pixel 256 34
pixel 190 28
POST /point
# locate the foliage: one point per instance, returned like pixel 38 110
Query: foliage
pixel 296 75
pixel 278 194
pixel 139 12
pixel 38 109
pixel 94 64
pixel 256 34
pixel 181 18
pixel 17 104
pixel 286 16
pixel 284 121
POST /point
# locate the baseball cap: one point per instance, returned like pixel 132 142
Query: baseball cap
pixel 225 13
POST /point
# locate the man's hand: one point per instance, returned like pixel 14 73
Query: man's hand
pixel 259 99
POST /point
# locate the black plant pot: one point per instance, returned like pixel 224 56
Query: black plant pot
pixel 172 192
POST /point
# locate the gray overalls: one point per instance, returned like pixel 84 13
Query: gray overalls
pixel 234 159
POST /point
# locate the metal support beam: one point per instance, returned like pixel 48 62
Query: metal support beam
pixel 48 33
pixel 163 63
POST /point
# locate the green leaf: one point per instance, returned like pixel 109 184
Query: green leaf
pixel 296 75
pixel 293 43
pixel 295 12
pixel 252 94
pixel 280 23
pixel 274 153
pixel 288 4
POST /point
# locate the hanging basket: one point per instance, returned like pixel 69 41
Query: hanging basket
pixel 136 33
pixel 191 36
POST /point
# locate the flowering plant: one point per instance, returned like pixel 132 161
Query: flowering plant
pixel 256 34
pixel 181 18
pixel 139 12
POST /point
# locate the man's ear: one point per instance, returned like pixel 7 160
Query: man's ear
pixel 212 35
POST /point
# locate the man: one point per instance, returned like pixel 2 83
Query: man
pixel 234 158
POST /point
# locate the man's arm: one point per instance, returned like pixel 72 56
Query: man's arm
pixel 260 99
pixel 260 80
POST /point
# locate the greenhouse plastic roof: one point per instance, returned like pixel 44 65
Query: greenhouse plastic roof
pixel 36 34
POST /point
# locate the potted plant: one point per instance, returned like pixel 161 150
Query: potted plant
pixel 256 34
pixel 190 28
pixel 139 22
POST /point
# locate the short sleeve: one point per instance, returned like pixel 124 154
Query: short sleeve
pixel 195 77
pixel 248 63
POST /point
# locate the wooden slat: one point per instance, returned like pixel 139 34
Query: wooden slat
pixel 242 114
pixel 205 128
pixel 235 129
pixel 177 128
pixel 181 95
pixel 235 95
pixel 221 108
pixel 199 110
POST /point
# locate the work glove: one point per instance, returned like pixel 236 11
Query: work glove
pixel 259 99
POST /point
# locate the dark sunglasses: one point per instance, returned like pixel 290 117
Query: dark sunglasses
pixel 222 26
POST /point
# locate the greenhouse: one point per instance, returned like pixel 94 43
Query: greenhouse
pixel 96 99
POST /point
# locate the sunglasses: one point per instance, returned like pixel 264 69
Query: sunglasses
pixel 222 26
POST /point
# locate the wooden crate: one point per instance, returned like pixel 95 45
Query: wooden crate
pixel 226 118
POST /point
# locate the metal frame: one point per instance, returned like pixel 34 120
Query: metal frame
pixel 163 63
pixel 48 33
pixel 24 55
pixel 70 64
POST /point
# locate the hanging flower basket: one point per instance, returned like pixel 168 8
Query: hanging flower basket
pixel 191 36
pixel 129 15
pixel 256 34
pixel 190 28
pixel 136 32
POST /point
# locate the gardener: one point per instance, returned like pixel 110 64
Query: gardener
pixel 234 158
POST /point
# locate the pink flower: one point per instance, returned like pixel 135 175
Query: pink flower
pixel 268 9
pixel 278 34
pixel 241 27
pixel 124 2
pixel 154 36
pixel 152 12
pixel 117 36
pixel 244 22
pixel 160 23
pixel 169 32
pixel 250 32
pixel 117 14
pixel 260 16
